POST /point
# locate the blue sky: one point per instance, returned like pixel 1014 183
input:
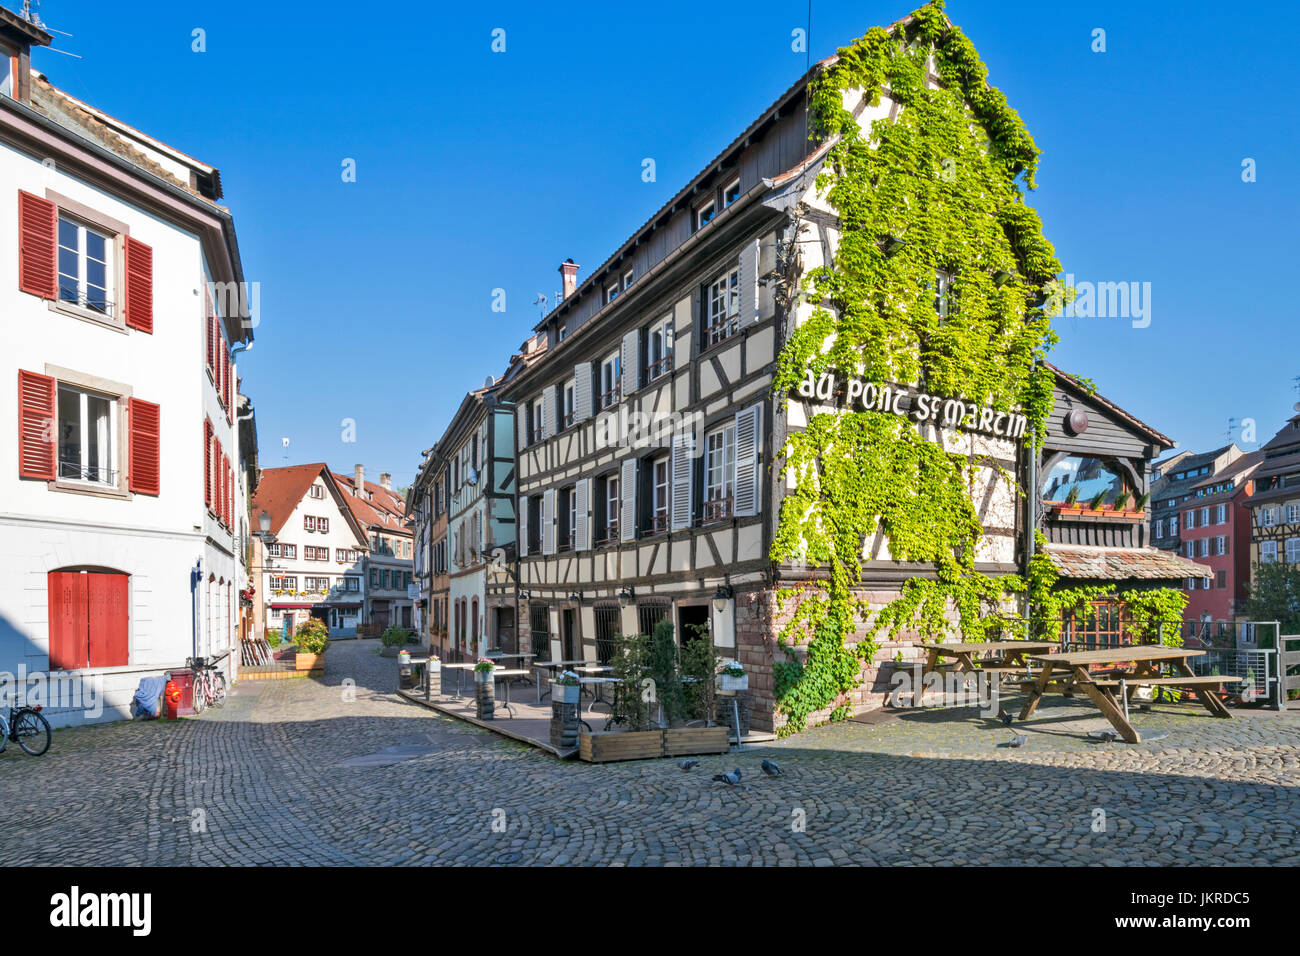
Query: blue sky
pixel 478 170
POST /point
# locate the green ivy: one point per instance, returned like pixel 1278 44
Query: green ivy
pixel 948 178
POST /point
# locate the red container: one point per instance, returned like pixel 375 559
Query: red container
pixel 171 699
pixel 184 678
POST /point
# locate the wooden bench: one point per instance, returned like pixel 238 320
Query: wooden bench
pixel 1197 681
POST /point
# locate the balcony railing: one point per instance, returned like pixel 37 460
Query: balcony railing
pixel 723 328
pixel 716 509
pixel 612 397
pixel 73 470
pixel 658 369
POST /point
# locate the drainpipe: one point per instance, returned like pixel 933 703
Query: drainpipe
pixel 1031 522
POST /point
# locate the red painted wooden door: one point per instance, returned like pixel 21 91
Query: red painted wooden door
pixel 68 599
pixel 107 620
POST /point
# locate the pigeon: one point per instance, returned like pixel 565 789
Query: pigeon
pixel 1150 738
pixel 686 765
pixel 1019 740
pixel 730 779
pixel 1004 716
pixel 771 769
pixel 1106 735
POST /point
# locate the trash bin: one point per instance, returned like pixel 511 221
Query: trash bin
pixel 184 678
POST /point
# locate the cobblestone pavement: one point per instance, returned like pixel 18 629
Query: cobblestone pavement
pixel 261 782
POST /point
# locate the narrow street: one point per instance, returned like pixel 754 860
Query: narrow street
pixel 264 782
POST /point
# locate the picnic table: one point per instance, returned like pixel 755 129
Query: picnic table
pixel 1006 657
pixel 1072 669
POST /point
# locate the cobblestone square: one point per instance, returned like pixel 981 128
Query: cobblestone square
pixel 263 782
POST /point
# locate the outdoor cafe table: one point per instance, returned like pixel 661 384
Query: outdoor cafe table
pixel 597 683
pixel 458 668
pixel 507 673
pixel 1147 661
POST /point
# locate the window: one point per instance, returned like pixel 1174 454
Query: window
pixel 660 490
pixel 611 371
pixel 719 472
pixel 611 293
pixel 628 278
pixel 568 519
pixel 1085 478
pixel 942 293
pixel 1159 531
pixel 1221 579
pixel 1220 544
pixel 290 551
pixel 1267 552
pixel 343 555
pixel 1190 521
pixel 568 396
pixel 1205 584
pixel 317 584
pixel 535 524
pixel 85 266
pixel 288 582
pixel 1221 514
pixel 1267 517
pixel 272 550
pixel 1173 526
pixel 722 302
pixel 535 422
pixel 351 584
pixel 1293 514
pixel 704 215
pixel 310 553
pixel 89 619
pixel 607 505
pixel 659 348
pixel 318 491
pixel 374 577
pixel 1204 545
pixel 1205 517
pixel 1293 550
pixel 87 436
pixel 309 522
pixel 731 192
pixel 8 71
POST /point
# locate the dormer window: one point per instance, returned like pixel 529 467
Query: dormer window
pixel 731 192
pixel 704 215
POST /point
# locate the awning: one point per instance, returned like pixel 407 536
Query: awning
pixel 1123 564
pixel 292 607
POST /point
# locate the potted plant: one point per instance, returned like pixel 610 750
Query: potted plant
pixel 732 677
pixel 565 688
pixel 1121 500
pixel 311 637
pixel 1098 501
pixel 484 689
pixel 483 670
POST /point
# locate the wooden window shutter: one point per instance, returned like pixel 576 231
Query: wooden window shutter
pixel 749 445
pixel 229 381
pixel 146 457
pixel 627 489
pixel 210 316
pixel 583 396
pixel 548 521
pixel 682 487
pixel 139 284
pixel 107 643
pixel 630 357
pixel 523 526
pixel 36 431
pixel 207 462
pixel 38 229
pixel 582 527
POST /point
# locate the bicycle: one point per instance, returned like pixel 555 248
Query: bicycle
pixel 209 684
pixel 28 728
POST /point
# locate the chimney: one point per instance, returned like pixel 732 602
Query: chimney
pixel 569 270
pixel 385 481
pixel 359 480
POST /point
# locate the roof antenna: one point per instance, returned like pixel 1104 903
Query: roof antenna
pixel 34 18
pixel 284 442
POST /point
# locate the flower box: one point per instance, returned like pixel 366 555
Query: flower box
pixel 303 661
pixel 727 682
pixel 565 693
pixel 620 745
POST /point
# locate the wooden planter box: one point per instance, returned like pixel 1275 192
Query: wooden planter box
pixel 632 745
pixel 696 740
pixel 308 662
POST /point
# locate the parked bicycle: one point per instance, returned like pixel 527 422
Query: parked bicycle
pixel 209 684
pixel 28 728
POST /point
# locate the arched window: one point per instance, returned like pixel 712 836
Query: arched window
pixel 89 618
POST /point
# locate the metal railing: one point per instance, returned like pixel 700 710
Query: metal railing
pixel 657 369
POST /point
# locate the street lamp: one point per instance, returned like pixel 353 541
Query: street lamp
pixel 264 521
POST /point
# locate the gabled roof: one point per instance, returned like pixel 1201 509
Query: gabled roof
pixel 1238 471
pixel 281 490
pixel 384 508
pixel 1122 564
pixel 1068 380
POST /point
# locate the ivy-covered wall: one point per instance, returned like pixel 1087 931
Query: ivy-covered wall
pixel 934 188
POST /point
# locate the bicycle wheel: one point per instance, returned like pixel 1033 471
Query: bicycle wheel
pixel 32 732
pixel 199 695
pixel 218 690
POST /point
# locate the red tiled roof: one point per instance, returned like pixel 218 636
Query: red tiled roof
pixel 279 490
pixel 384 509
pixel 1122 564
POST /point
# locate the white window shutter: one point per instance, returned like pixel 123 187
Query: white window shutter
pixel 581 526
pixel 749 441
pixel 749 284
pixel 627 489
pixel 631 359
pixel 548 521
pixel 548 412
pixel 682 504
pixel 582 394
pixel 523 526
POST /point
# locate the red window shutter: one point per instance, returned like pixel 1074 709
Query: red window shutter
pixel 230 495
pixel 107 644
pixel 67 597
pixel 139 285
pixel 38 229
pixel 36 431
pixel 207 462
pixel 225 490
pixel 229 379
pixel 146 456
pixel 211 317
pixel 216 477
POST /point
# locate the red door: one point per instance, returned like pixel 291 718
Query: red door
pixel 89 620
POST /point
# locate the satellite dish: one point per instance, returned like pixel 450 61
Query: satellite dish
pixel 489 382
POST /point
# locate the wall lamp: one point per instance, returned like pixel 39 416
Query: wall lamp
pixel 1001 278
pixel 721 597
pixel 576 597
pixel 892 245
pixel 626 597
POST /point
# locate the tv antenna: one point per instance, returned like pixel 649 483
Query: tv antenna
pixel 284 443
pixel 34 18
pixel 540 302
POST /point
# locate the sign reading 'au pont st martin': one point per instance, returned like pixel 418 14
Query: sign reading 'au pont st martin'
pixel 856 393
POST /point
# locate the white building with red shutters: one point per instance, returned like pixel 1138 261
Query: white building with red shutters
pixel 122 510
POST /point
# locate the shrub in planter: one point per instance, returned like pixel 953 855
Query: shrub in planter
pixel 311 636
pixel 483 670
pixel 565 688
pixel 397 636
